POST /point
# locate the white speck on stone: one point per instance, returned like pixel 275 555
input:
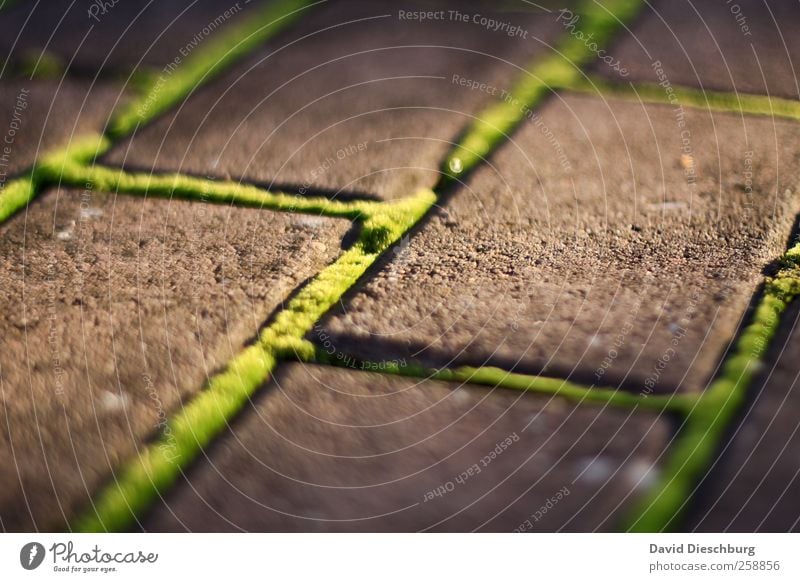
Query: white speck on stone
pixel 89 213
pixel 66 233
pixel 641 474
pixel 667 206
pixel 595 470
pixel 112 402
pixel 461 396
pixel 309 221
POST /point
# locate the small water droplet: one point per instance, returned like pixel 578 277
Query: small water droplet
pixel 456 165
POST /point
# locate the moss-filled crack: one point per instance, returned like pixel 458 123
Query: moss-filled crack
pixel 726 102
pixel 63 170
pixel 705 427
pixel 155 94
pixel 494 377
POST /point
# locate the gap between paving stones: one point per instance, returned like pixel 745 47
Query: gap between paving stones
pixel 144 478
pixel 499 378
pixel 676 95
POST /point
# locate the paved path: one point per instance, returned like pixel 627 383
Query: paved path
pixel 358 267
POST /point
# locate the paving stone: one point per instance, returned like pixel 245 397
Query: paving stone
pixel 593 247
pixel 116 309
pixel 354 97
pixel 329 449
pixel 116 37
pixel 38 116
pixel 755 485
pixel 746 45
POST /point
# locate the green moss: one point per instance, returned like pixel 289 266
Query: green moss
pixel 217 54
pixel 16 194
pixel 44 65
pixel 494 124
pixel 706 423
pixel 63 170
pixel 499 378
pixel 741 103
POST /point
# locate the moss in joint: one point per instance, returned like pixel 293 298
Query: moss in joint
pixel 16 194
pixel 707 422
pixel 499 378
pixel 64 170
pixel 730 102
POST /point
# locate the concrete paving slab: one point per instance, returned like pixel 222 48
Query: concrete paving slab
pixel 612 243
pixel 38 116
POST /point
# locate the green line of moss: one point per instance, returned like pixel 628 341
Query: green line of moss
pixel 498 378
pixel 63 171
pixel 742 103
pixel 707 422
pixel 493 125
pixel 140 482
pixel 16 194
pixel 218 53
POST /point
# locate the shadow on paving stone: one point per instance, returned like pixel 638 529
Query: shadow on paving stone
pixel 117 37
pixel 114 311
pixel 592 247
pixel 355 97
pixel 755 485
pixel 326 449
pixel 747 46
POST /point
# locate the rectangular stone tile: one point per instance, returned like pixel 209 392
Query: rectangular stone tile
pixel 38 116
pixel 614 243
pixel 755 484
pixel 357 96
pixel 117 37
pixel 746 45
pixel 114 311
pixel 330 449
